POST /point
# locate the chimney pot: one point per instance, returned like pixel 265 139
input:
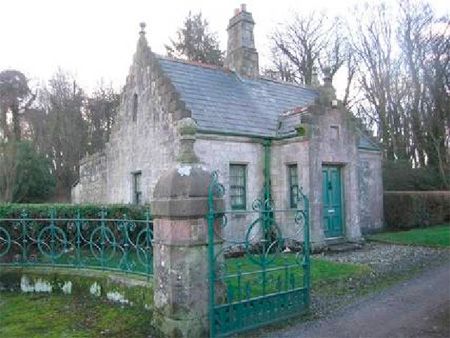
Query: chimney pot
pixel 142 25
pixel 236 11
pixel 243 7
pixel 327 79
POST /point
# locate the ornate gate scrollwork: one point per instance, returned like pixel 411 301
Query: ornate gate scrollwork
pixel 257 275
pixel 98 243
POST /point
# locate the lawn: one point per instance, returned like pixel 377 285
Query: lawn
pixel 244 277
pixel 43 315
pixel 436 236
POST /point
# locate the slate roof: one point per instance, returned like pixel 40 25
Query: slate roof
pixel 365 142
pixel 221 101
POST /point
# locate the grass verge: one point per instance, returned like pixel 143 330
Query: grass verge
pixel 436 236
pixel 55 316
pixel 245 277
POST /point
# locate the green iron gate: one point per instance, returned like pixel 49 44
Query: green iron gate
pixel 254 278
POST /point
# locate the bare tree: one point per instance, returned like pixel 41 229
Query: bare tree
pixel 437 101
pixel 372 43
pixel 307 43
pixel 100 111
pixel 62 133
pixel 403 77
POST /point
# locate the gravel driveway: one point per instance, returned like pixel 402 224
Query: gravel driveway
pixel 385 258
pixel 390 264
pixel 419 307
pixel 387 261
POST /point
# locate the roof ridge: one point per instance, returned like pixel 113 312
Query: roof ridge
pixel 220 99
pixel 193 63
pixel 297 85
pixel 229 71
pixel 370 139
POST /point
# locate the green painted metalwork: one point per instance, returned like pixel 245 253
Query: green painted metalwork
pixel 267 182
pixel 102 243
pixel 254 278
pixel 332 201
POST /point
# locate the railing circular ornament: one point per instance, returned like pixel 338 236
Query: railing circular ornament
pixel 5 241
pixel 144 246
pixel 56 246
pixel 102 239
pixel 262 245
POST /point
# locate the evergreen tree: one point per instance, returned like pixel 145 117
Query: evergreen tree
pixel 25 175
pixel 194 42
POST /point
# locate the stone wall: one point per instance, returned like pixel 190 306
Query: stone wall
pixel 284 153
pixel 333 141
pixel 371 190
pixel 92 184
pixel 148 144
pixel 217 153
pixel 144 142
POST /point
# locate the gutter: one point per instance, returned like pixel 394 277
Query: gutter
pixel 256 137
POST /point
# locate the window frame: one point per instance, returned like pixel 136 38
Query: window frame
pixel 293 184
pixel 136 194
pixel 334 132
pixel 243 168
pixel 135 106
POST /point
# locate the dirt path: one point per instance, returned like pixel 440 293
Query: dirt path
pixel 419 307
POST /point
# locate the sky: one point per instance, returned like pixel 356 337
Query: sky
pixel 95 39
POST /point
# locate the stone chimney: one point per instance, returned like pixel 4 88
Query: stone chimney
pixel 327 93
pixel 242 56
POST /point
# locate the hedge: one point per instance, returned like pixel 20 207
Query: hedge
pixel 400 176
pixel 411 209
pixel 12 210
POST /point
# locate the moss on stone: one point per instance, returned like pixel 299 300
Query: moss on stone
pixel 39 315
pixel 136 290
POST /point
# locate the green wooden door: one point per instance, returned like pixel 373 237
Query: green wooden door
pixel 332 201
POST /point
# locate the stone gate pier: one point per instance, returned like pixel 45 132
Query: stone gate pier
pixel 181 243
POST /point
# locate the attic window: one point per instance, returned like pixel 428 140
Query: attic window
pixel 135 107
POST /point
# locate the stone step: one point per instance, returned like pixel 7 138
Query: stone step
pixel 343 247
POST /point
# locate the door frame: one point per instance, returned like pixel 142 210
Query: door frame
pixel 341 168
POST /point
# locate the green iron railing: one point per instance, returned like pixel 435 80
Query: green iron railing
pixel 98 243
pixel 255 278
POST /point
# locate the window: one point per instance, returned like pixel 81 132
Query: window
pixel 238 186
pixel 334 132
pixel 293 185
pixel 135 106
pixel 137 193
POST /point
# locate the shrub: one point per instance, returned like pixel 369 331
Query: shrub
pixel 409 209
pixel 25 175
pixel 400 176
pixel 71 210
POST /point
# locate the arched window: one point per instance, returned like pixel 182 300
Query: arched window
pixel 135 106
